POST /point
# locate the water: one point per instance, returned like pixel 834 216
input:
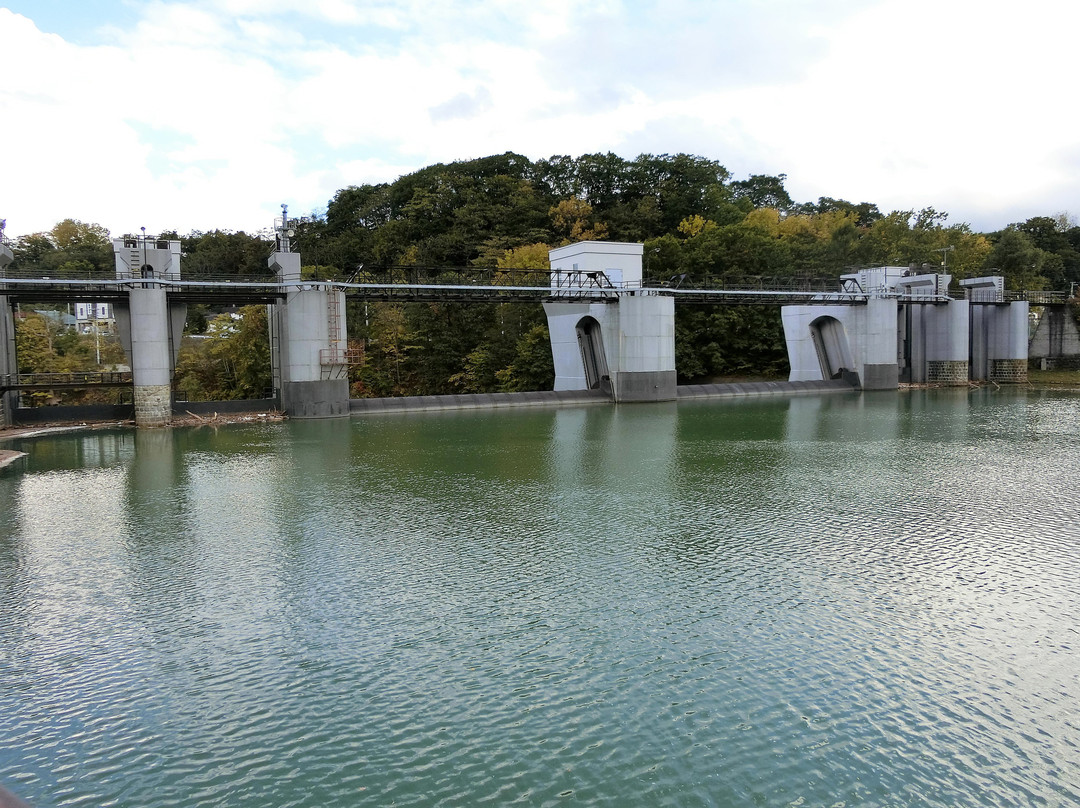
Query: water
pixel 857 601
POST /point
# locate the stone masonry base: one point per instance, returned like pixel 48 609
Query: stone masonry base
pixel 1009 371
pixel 947 371
pixel 153 404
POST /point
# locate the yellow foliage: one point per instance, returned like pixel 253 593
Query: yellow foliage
pixel 819 226
pixel 411 256
pixel 814 226
pixel 574 218
pixel 695 225
pixel 765 219
pixel 529 256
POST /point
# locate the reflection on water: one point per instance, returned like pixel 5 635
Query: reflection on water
pixel 864 600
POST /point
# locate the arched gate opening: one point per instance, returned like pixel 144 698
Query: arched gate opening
pixel 831 344
pixel 591 343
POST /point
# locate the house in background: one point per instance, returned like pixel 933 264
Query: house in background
pixel 94 316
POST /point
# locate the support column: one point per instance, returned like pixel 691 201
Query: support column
pixel 149 326
pixel 1010 365
pixel 311 365
pixel 646 368
pixel 151 355
pixel 945 336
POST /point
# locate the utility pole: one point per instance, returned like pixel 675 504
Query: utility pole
pixel 945 257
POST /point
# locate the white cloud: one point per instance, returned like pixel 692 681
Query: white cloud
pixel 210 113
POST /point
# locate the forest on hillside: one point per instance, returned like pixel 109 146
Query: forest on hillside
pixel 697 223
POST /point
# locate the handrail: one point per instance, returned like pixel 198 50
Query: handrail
pixel 559 283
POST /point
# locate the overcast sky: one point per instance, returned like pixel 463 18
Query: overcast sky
pixel 202 114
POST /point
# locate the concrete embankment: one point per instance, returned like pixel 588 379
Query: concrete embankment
pixel 365 406
pixel 7 457
pixel 477 401
pixel 757 389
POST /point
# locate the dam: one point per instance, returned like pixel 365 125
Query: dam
pixel 611 332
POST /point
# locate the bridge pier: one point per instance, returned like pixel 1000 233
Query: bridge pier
pixel 150 329
pixel 625 345
pixel 308 330
pixel 149 326
pixel 7 342
pixel 857 343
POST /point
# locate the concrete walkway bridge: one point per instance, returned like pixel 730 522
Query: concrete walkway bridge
pixel 612 331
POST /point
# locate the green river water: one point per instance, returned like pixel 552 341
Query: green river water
pixel 824 601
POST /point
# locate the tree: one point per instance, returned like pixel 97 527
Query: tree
pixel 224 253
pixel 763 191
pixel 232 362
pixel 71 249
pixel 1015 257
pixel 573 220
pixel 532 367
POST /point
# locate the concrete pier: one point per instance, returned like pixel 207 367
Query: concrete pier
pixel 309 331
pixel 143 326
pixel 149 326
pixel 624 346
pixel 858 343
pixel 999 332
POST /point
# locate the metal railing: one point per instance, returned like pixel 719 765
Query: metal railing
pixel 486 284
pixel 61 381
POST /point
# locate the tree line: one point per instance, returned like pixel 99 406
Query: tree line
pixel 698 224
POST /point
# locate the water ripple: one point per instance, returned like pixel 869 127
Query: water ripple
pixel 798 603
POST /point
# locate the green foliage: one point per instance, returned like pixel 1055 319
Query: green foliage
pixel 532 367
pixel 231 362
pixel 44 345
pixel 1015 256
pixel 712 342
pixel 71 249
pixel 223 253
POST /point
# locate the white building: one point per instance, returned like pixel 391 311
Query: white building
pixel 94 316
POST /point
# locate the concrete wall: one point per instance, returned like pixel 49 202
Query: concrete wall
pixel 1057 335
pixel 999 342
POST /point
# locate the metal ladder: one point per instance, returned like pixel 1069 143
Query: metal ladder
pixel 332 358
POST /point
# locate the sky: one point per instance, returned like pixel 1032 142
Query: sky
pixel 210 114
